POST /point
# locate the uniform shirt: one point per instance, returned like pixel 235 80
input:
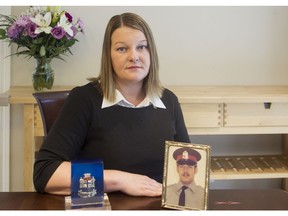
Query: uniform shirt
pixel 194 195
pixel 126 139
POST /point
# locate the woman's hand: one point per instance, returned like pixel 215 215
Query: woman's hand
pixel 131 184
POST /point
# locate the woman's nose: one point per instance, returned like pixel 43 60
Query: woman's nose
pixel 133 56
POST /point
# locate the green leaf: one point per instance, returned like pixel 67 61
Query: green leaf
pixel 2 32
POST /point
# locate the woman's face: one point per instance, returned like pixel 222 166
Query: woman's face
pixel 130 55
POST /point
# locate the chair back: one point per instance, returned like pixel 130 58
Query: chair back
pixel 50 104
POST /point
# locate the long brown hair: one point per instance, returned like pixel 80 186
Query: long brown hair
pixel 151 83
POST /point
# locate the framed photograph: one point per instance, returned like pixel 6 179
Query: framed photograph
pixel 186 176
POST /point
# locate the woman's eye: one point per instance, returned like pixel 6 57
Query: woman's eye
pixel 121 49
pixel 142 47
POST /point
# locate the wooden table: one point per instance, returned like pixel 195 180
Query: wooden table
pixel 270 199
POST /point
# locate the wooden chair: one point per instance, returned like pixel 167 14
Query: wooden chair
pixel 50 104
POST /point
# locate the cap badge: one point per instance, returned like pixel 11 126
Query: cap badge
pixel 185 155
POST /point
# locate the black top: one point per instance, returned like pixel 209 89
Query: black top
pixel 127 139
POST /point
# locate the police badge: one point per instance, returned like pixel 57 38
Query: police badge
pixel 87 185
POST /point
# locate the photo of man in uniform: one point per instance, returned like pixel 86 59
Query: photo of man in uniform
pixel 186 192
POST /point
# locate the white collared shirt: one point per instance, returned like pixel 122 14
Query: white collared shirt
pixel 121 101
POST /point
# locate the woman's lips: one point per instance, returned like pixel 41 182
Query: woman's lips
pixel 133 67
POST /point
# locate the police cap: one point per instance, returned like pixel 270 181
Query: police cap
pixel 186 156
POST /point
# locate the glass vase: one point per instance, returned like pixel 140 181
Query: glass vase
pixel 43 77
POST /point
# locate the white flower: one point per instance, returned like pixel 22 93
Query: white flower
pixel 63 22
pixel 43 23
pixel 32 11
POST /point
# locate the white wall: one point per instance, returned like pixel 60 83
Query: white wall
pixel 196 45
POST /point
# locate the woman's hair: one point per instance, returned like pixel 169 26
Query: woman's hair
pixel 151 83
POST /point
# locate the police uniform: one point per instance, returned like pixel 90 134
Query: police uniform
pixel 194 194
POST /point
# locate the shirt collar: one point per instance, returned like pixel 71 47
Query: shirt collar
pixel 192 186
pixel 121 101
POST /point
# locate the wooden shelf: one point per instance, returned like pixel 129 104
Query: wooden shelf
pixel 249 167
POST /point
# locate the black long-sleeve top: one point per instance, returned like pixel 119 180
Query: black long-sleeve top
pixel 126 139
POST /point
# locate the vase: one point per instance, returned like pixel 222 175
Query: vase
pixel 43 77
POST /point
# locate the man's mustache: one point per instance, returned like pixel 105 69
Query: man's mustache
pixel 185 174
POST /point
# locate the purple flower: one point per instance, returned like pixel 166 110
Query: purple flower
pixel 69 17
pixel 80 25
pixel 58 32
pixel 41 32
pixel 30 29
pixel 74 29
pixel 14 31
pixel 23 21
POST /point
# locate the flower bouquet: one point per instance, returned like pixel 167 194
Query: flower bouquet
pixel 43 33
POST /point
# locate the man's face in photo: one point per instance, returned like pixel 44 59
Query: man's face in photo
pixel 186 173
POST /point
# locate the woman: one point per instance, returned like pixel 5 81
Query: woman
pixel 124 116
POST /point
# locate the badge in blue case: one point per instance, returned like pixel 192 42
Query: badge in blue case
pixel 87 186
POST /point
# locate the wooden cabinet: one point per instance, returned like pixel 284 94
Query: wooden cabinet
pixel 207 110
pixel 202 115
pixel 255 114
pixel 229 110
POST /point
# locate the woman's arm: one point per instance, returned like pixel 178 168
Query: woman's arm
pixel 114 180
pixel 60 181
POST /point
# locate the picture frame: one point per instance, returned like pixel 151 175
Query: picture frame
pixel 186 164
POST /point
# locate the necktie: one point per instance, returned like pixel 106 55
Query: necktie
pixel 182 196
